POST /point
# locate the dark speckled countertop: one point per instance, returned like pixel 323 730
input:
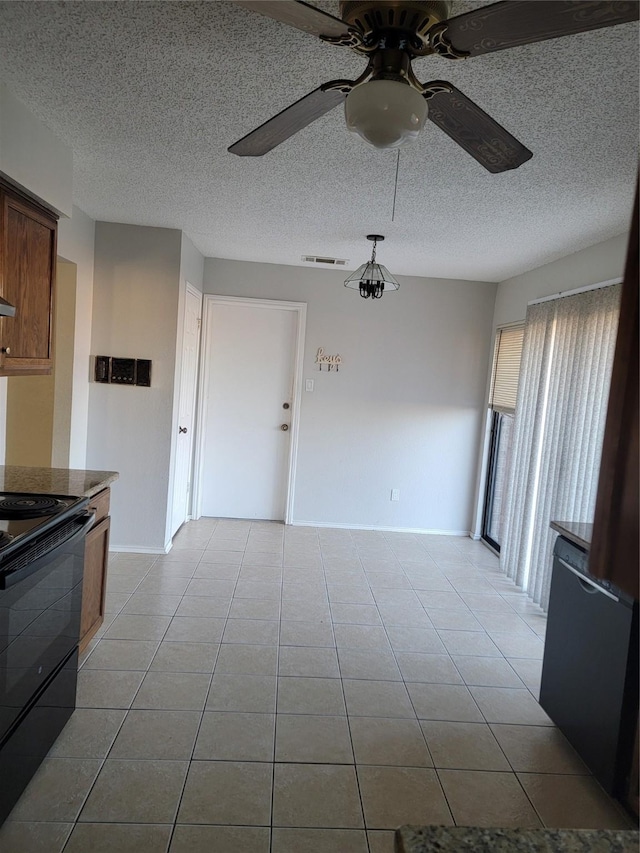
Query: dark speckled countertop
pixel 578 532
pixel 469 839
pixel 54 481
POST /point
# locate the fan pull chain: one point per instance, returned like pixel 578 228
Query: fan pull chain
pixel 395 188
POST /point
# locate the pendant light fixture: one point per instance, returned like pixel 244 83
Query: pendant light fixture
pixel 372 279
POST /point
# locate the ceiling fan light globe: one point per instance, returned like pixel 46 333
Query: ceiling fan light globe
pixel 385 113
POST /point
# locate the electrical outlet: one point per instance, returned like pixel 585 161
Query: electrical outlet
pixel 395 494
pixel 308 385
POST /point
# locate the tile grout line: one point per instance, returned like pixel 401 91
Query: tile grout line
pixel 206 698
pixel 104 759
pixel 275 710
pixel 344 699
pixel 488 725
pixel 355 765
pixel 195 740
pixel 424 737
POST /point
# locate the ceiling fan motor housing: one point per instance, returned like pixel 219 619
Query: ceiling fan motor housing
pixel 376 19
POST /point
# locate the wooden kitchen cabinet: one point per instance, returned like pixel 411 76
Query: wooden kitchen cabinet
pixel 28 235
pixel 96 558
pixel 614 544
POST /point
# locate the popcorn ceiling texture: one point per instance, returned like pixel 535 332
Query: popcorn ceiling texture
pixel 149 95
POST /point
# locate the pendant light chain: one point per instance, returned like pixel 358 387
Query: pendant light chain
pixel 395 188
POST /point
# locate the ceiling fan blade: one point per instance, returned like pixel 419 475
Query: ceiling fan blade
pixel 482 137
pixel 516 22
pixel 286 123
pixel 298 14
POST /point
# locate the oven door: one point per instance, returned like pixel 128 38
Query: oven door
pixel 40 603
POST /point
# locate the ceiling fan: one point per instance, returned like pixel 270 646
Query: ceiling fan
pixel 387 105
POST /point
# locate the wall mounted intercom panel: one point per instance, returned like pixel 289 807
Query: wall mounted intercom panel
pixel 123 371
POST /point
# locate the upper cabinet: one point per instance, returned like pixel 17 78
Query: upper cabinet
pixel 27 280
pixel 614 545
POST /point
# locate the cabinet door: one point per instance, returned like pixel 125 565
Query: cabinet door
pixel 96 555
pixel 614 545
pixel 27 268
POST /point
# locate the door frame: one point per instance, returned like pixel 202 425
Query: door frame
pixel 208 307
pixel 189 288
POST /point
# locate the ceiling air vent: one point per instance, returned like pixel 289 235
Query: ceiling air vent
pixel 331 262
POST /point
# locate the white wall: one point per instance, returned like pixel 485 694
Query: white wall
pixel 601 262
pixel 76 239
pixel 405 410
pixel 135 310
pixel 32 156
pixel 191 264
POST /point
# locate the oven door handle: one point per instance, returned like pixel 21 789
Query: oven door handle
pixel 84 522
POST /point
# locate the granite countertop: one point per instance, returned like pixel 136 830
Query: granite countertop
pixel 578 532
pixel 470 839
pixel 54 481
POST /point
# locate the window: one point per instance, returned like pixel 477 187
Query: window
pixel 502 404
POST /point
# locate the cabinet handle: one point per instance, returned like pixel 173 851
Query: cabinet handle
pixel 6 350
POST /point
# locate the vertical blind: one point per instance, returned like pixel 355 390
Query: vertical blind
pixel 506 369
pixel 558 430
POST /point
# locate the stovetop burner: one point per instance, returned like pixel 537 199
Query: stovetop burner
pixel 24 516
pixel 29 506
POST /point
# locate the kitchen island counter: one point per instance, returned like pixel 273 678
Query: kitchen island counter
pixel 471 839
pixel 54 481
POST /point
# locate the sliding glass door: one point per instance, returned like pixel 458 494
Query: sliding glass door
pixel 499 464
pixel 502 404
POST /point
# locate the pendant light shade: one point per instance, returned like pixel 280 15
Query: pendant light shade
pixel 372 279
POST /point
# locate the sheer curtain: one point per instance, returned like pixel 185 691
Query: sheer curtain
pixel 560 414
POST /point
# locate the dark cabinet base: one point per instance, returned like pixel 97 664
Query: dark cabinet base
pixel 590 670
pixel 24 748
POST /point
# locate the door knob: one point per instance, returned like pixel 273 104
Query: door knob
pixel 284 427
pixel 182 429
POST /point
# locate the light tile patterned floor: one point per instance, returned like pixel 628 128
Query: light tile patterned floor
pixel 297 690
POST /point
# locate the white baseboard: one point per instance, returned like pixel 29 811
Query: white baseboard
pixel 131 549
pixel 430 531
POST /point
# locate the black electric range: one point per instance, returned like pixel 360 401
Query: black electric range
pixel 24 517
pixel 41 568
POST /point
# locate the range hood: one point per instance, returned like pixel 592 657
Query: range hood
pixel 6 308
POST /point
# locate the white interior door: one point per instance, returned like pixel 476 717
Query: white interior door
pixel 188 386
pixel 251 354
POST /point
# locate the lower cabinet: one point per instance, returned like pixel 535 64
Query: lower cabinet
pixel 96 558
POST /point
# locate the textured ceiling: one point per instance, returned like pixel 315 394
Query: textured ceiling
pixel 149 95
